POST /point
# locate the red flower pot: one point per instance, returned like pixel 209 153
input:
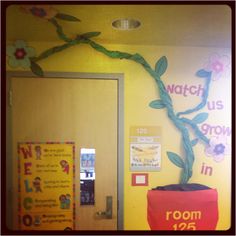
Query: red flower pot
pixel 182 210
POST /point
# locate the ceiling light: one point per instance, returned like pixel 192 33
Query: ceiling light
pixel 126 24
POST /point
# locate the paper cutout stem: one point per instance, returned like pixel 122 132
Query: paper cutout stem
pixel 165 100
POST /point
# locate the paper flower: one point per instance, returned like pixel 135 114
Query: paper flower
pixel 42 11
pixel 218 148
pixel 218 65
pixel 19 54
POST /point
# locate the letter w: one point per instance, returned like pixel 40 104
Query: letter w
pixel 26 152
pixel 226 131
pixel 170 88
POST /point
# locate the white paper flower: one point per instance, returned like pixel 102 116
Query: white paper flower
pixel 218 148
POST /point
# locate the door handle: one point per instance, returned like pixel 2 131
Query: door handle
pixel 108 213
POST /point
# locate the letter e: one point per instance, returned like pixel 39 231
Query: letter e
pixel 27 168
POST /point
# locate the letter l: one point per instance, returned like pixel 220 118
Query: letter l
pixel 27 187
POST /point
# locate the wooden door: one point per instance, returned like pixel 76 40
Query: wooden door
pixel 84 111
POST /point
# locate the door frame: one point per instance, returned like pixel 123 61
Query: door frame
pixel 119 77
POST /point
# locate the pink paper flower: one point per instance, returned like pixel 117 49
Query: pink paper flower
pixel 43 11
pixel 218 148
pixel 218 65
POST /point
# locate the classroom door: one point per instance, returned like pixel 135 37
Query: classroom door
pixel 84 111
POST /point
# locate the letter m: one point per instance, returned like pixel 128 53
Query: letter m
pixel 27 152
pixel 196 215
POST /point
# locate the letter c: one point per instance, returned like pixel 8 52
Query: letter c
pixel 27 202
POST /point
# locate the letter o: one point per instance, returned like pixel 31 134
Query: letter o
pixel 218 129
pixel 27 220
pixel 177 215
pixel 186 215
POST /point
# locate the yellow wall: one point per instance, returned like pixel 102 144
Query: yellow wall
pixel 139 90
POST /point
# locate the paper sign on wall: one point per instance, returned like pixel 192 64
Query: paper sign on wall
pixel 145 148
pixel 46 193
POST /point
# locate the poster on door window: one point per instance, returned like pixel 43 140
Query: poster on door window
pixel 87 176
pixel 145 148
pixel 46 186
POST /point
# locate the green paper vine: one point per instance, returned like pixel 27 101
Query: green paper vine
pixel 164 102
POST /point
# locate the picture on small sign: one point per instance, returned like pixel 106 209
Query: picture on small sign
pixel 145 156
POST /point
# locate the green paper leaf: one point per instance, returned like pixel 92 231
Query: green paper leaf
pixel 200 118
pixel 157 104
pixel 89 35
pixel 194 142
pixel 51 51
pixel 175 159
pixel 161 66
pixel 36 69
pixel 62 16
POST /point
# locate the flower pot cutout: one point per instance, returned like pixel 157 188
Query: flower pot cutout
pixel 184 207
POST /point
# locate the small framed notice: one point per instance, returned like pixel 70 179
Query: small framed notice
pixel 145 148
pixel 140 179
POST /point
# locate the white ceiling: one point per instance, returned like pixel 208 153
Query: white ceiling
pixel 176 25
